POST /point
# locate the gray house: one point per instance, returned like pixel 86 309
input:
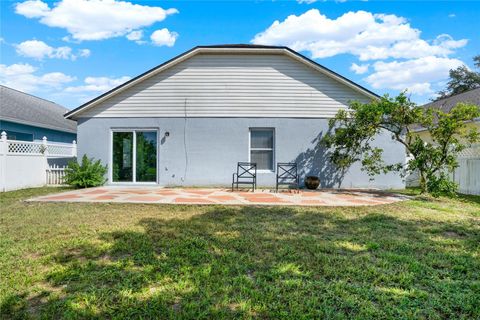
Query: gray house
pixel 190 120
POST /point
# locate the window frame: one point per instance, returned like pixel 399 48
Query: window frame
pixel 272 149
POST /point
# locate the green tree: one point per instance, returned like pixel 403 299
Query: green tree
pixel 461 79
pixel 352 133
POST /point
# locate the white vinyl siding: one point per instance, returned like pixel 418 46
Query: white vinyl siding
pixel 231 85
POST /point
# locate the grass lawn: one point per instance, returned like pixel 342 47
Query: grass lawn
pixel 415 259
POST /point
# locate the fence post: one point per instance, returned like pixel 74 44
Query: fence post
pixel 45 146
pixel 3 148
pixel 45 156
pixel 3 160
pixel 74 148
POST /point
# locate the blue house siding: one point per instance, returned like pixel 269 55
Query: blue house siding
pixel 30 133
pixel 205 151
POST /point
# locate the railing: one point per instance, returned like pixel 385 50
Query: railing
pixel 48 149
pixel 56 175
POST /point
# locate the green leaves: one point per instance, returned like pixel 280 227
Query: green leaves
pixel 461 79
pixel 89 173
pixel 432 137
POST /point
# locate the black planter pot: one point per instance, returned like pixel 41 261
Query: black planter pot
pixel 312 182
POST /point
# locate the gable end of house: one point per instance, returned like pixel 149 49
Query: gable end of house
pixel 230 81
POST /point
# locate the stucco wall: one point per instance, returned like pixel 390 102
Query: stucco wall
pixel 212 147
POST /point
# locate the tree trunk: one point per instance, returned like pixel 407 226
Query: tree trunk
pixel 423 183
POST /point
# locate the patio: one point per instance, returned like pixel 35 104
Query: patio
pixel 158 195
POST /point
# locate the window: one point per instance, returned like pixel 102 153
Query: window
pixel 261 148
pixel 14 135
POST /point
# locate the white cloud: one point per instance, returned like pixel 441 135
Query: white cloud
pixel 363 34
pixel 96 19
pixel 164 37
pixel 16 69
pixel 416 75
pixel 359 69
pixel 84 53
pixel 97 84
pixel 410 62
pixel 22 77
pixel 32 9
pixel 39 50
pixel 452 15
pixel 34 49
pixel 55 79
pixel 135 35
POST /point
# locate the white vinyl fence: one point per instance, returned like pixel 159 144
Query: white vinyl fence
pixel 55 175
pixel 24 164
pixel 466 175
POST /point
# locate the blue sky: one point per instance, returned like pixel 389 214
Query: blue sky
pixel 70 51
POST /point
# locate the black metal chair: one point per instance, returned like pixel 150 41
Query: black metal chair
pixel 287 174
pixel 246 174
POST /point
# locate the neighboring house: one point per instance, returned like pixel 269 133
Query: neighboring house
pixel 446 104
pixel 190 120
pixel 467 175
pixel 29 118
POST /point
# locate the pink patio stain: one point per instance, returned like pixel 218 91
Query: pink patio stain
pixel 192 200
pixel 97 191
pixel 313 202
pixel 145 198
pixel 223 198
pixel 106 197
pixel 62 197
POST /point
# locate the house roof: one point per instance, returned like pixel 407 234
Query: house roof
pixel 226 48
pixel 446 104
pixel 20 107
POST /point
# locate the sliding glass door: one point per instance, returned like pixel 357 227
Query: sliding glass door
pixel 122 166
pixel 134 156
pixel 146 156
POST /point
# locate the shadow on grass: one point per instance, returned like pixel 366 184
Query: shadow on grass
pixel 469 198
pixel 264 262
pixel 416 194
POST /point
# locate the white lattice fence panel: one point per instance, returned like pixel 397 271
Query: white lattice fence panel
pixel 472 152
pixel 17 147
pixel 59 150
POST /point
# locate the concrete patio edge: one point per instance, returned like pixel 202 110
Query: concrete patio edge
pixel 219 196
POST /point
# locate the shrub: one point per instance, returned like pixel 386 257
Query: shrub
pixel 440 184
pixel 89 173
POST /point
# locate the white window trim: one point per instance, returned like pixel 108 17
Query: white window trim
pixel 262 149
pixel 134 158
